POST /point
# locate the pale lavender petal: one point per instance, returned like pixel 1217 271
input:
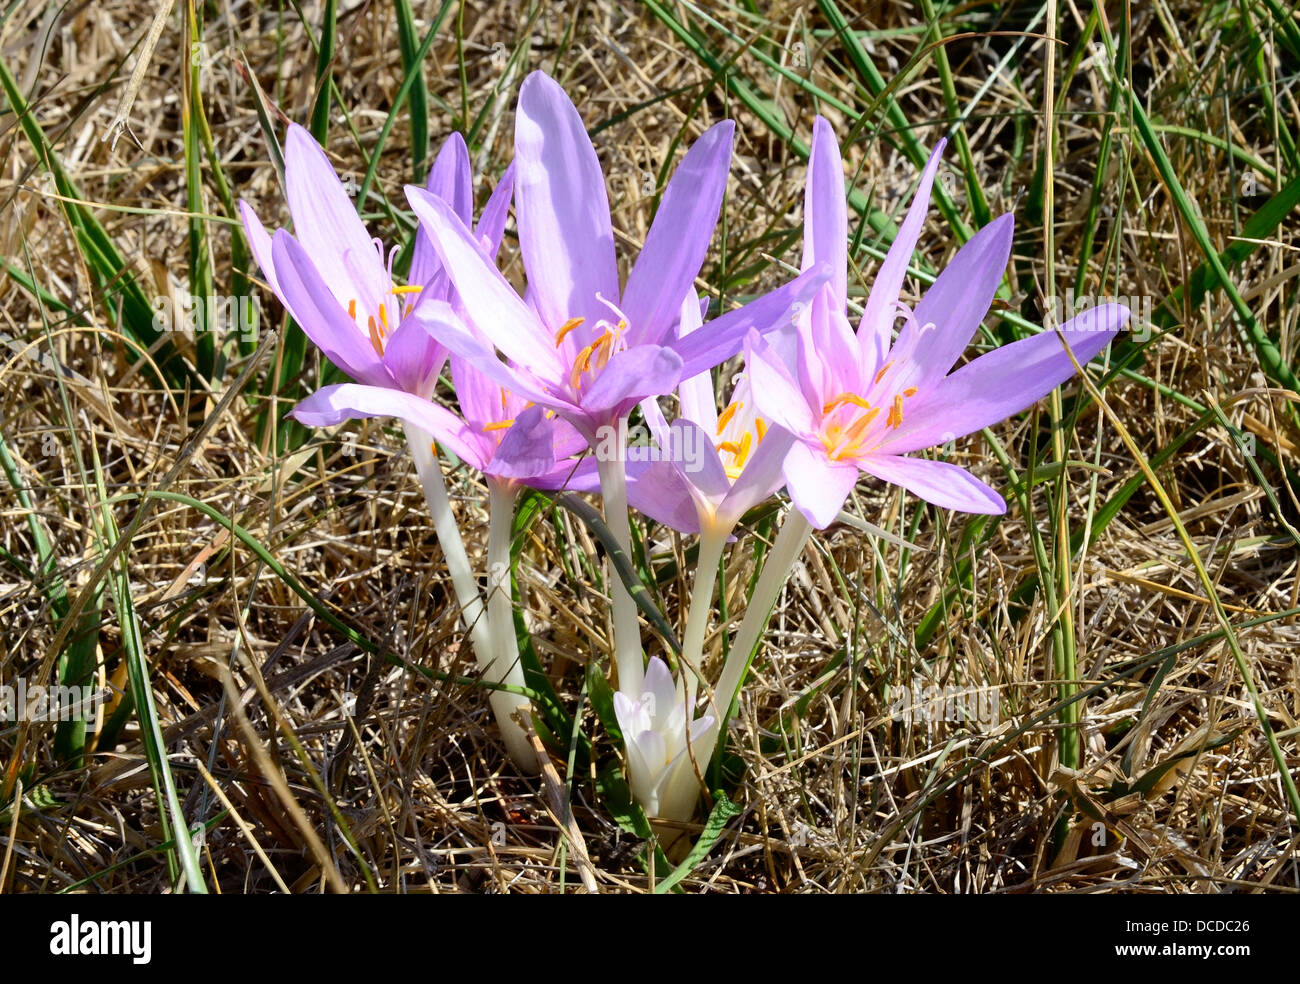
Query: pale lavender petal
pixel 939 482
pixel 825 217
pixel 776 395
pixel 1003 382
pixel 259 241
pixel 818 486
pixel 660 490
pixel 413 357
pixel 325 221
pixel 479 396
pixel 655 420
pixel 574 474
pixel 835 343
pixel 693 451
pixel 695 395
pixel 561 207
pixel 526 449
pixel 878 316
pixel 317 310
pixel 348 401
pixel 761 477
pixel 451 179
pixel 954 304
pixel 492 223
pixel 659 682
pixel 632 716
pixel 679 238
pixel 631 376
pixel 722 337
pixel 490 302
pixel 463 343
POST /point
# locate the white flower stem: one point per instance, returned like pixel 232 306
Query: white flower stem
pixel 713 539
pixel 472 610
pixel 627 632
pixel 776 568
pixel 681 792
pixel 506 667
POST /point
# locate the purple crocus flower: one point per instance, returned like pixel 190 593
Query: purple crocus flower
pixel 337 282
pixel 859 404
pixel 338 286
pixel 712 467
pixel 580 345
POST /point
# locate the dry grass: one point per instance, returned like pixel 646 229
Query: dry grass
pixel 289 740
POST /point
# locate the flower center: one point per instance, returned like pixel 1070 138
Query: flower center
pixel 378 328
pixel 595 355
pixel 740 447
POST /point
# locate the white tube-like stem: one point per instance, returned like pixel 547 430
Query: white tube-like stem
pixel 627 632
pixel 713 539
pixel 682 790
pixel 472 610
pixel 776 568
pixel 505 665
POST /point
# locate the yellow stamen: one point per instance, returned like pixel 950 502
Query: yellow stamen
pixel 745 443
pixel 883 369
pixel 910 391
pixel 856 429
pixel 408 289
pixel 843 400
pixel 565 328
pixel 352 309
pixel 376 339
pixel 730 447
pixel 503 399
pixel 733 471
pixel 499 425
pixel 760 425
pixel 604 349
pixel 383 317
pixel 581 363
pixel 896 413
pixel 725 417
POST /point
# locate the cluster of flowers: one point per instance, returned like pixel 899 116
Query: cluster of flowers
pixel 543 379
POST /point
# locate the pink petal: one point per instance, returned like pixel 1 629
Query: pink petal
pixel 761 477
pixel 1002 383
pixel 492 223
pixel 679 238
pixel 955 303
pixel 348 401
pixel 825 223
pixel 451 179
pixel 631 376
pixel 818 486
pixel 874 330
pixel 260 243
pixel 660 490
pixel 317 310
pixel 414 358
pixel 722 337
pixel 561 207
pixel 695 395
pixel 939 482
pixel 776 395
pixel 490 302
pixel 526 449
pixel 325 221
